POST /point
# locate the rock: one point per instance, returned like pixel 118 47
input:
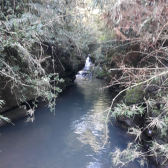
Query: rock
pixel 67 81
pixel 152 89
pixel 127 121
pixel 14 115
pixel 157 161
pixel 131 122
pixel 134 96
pixel 61 85
pixel 145 141
pixel 65 66
pixel 121 125
pixel 12 96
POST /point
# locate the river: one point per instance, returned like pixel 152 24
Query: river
pixel 72 138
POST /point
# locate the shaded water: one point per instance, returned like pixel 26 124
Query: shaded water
pixel 73 138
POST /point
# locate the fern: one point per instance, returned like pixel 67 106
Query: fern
pixel 129 111
pixel 132 152
pixel 1 103
pixel 5 119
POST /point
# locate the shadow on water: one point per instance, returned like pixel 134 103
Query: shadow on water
pixel 73 138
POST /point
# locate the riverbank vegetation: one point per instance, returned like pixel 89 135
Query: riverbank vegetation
pixel 137 61
pixel 42 44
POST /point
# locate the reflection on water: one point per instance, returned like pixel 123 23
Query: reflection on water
pixel 90 128
pixel 73 138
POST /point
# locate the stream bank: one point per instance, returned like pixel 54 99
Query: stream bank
pixel 121 73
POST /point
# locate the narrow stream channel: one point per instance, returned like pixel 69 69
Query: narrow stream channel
pixel 73 138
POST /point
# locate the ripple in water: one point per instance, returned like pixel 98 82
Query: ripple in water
pixel 73 138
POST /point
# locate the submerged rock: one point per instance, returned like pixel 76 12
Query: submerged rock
pixel 131 122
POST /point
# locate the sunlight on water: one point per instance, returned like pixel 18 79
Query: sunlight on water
pixel 73 138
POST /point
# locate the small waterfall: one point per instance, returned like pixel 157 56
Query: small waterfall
pixel 88 69
pixel 87 64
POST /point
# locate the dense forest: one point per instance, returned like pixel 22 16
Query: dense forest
pixel 44 43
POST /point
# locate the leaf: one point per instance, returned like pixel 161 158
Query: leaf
pixel 17 7
pixel 30 112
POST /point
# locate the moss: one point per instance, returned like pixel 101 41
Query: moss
pixel 134 96
pixel 101 74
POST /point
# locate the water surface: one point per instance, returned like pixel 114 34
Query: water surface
pixel 73 138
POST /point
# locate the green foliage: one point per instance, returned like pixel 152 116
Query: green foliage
pixel 1 116
pixel 132 152
pixel 160 150
pixel 1 103
pixel 129 111
pixel 135 131
pixel 142 46
pixel 99 73
pixel 24 31
pixel 134 96
pixel 5 118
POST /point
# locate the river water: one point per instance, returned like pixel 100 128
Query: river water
pixel 73 138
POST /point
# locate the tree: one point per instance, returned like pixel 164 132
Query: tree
pixel 34 38
pixel 141 55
